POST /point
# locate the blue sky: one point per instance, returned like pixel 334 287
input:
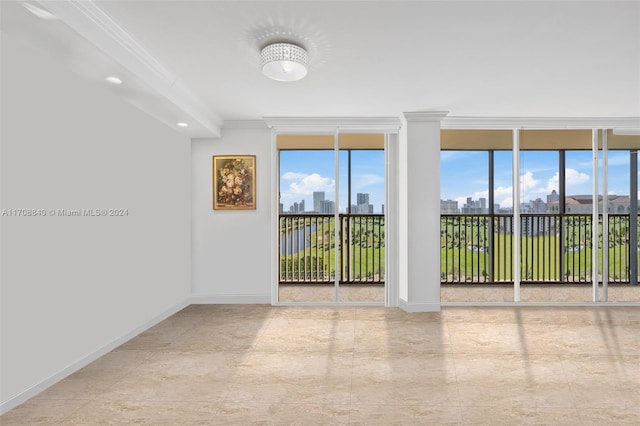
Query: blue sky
pixel 465 174
pixel 303 172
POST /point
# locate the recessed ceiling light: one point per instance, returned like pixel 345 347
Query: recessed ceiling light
pixel 181 124
pixel 39 12
pixel 113 80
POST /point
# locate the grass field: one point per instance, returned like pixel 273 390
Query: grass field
pixel 466 247
pixel 464 254
pixel 362 256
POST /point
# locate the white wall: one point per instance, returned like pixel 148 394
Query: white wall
pixel 73 287
pixel 231 249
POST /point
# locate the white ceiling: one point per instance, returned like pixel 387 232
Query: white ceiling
pixel 198 61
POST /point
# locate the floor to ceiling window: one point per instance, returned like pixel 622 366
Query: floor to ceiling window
pixel 559 257
pixel 622 252
pixel 331 218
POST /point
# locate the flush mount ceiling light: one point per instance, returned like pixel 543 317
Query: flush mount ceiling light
pixel 284 61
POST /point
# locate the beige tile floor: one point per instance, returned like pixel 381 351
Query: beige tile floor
pixel 539 293
pixel 257 364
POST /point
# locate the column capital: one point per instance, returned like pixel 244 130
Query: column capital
pixel 425 116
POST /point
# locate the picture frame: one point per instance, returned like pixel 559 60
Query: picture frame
pixel 234 182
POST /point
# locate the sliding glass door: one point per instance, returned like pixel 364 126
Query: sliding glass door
pixel 331 218
pixel 568 234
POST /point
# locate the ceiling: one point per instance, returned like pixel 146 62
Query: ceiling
pixel 198 61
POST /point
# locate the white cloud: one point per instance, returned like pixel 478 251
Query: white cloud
pixel 502 196
pixel 574 179
pixel 529 184
pixel 532 188
pixel 293 176
pixel 304 184
pixel 506 203
pixel 553 183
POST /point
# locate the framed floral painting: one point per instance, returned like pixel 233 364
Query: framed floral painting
pixel 234 182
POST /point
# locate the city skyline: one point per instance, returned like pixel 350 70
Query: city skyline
pixel 323 206
pixel 465 174
pixel 303 172
pixel 576 203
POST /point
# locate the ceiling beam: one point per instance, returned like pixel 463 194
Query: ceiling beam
pixel 92 23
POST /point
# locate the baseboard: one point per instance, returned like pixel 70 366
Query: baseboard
pixel 18 399
pixel 540 304
pixel 419 307
pixel 232 299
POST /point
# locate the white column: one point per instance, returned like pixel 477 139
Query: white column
pixel 517 233
pixel 336 213
pixel 275 216
pixel 605 216
pixel 594 215
pixel 391 219
pixel 419 212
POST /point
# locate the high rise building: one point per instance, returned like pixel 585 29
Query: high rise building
pixel 473 206
pixel 326 206
pixel 318 198
pixel 363 206
pixel 297 207
pixel 449 206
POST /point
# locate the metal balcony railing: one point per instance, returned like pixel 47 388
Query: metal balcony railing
pixel 308 247
pixel 554 248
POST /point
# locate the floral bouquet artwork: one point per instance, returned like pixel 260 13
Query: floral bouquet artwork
pixel 234 182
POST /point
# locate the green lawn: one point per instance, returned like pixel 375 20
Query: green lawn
pixel 316 262
pixel 464 259
pixel 540 255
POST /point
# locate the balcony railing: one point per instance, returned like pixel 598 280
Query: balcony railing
pixel 308 249
pixel 554 248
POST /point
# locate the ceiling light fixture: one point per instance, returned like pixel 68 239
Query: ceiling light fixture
pixel 284 61
pixel 113 80
pixel 182 124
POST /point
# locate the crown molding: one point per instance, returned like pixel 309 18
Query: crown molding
pixel 424 116
pixel 333 124
pixel 95 25
pixel 509 123
pixel 324 125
